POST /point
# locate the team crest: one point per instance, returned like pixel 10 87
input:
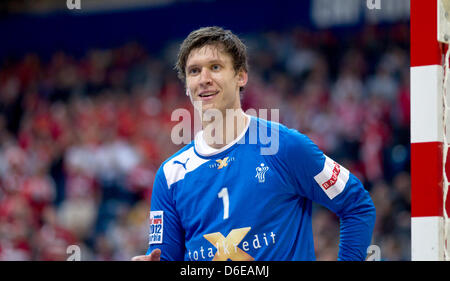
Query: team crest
pixel 261 172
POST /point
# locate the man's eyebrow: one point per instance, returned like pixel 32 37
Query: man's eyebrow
pixel 191 66
pixel 213 61
pixel 216 61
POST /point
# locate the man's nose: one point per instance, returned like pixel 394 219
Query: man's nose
pixel 205 77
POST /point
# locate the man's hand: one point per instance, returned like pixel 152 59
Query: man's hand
pixel 154 256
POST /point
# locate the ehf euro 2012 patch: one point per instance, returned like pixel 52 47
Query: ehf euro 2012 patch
pixel 156 227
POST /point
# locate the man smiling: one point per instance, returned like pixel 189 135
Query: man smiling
pixel 229 201
pixel 214 80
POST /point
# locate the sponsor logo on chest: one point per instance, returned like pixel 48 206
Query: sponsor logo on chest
pixel 219 164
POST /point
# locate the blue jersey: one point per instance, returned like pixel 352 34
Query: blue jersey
pixel 239 204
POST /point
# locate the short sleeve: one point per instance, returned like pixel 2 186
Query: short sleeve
pixel 165 231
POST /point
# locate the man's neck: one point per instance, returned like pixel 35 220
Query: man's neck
pixel 219 132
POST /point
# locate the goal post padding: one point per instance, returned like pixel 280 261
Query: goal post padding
pixel 428 140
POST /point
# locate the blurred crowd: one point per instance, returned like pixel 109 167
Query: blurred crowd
pixel 82 137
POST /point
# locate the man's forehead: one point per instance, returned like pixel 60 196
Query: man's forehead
pixel 210 52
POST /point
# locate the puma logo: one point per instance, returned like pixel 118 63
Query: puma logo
pixel 181 163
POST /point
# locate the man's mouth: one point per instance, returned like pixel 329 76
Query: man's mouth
pixel 208 95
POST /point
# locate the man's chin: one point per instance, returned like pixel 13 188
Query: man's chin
pixel 202 106
pixel 211 112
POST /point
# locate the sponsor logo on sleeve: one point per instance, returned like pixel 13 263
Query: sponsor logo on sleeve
pixel 156 227
pixel 333 178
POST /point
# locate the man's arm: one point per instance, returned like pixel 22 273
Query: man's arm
pixel 324 181
pixel 166 234
pixel 357 218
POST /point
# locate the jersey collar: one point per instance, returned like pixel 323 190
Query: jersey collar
pixel 203 149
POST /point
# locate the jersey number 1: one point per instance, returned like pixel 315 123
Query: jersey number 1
pixel 226 202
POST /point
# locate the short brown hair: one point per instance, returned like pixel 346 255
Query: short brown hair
pixel 212 35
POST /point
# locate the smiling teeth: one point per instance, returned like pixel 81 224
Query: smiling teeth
pixel 207 95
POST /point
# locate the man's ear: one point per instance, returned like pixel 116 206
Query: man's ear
pixel 242 78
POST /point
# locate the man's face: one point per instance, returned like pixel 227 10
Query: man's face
pixel 211 78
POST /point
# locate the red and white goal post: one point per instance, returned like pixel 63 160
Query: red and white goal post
pixel 430 129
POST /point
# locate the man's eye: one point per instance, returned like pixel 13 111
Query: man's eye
pixel 193 71
pixel 216 67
